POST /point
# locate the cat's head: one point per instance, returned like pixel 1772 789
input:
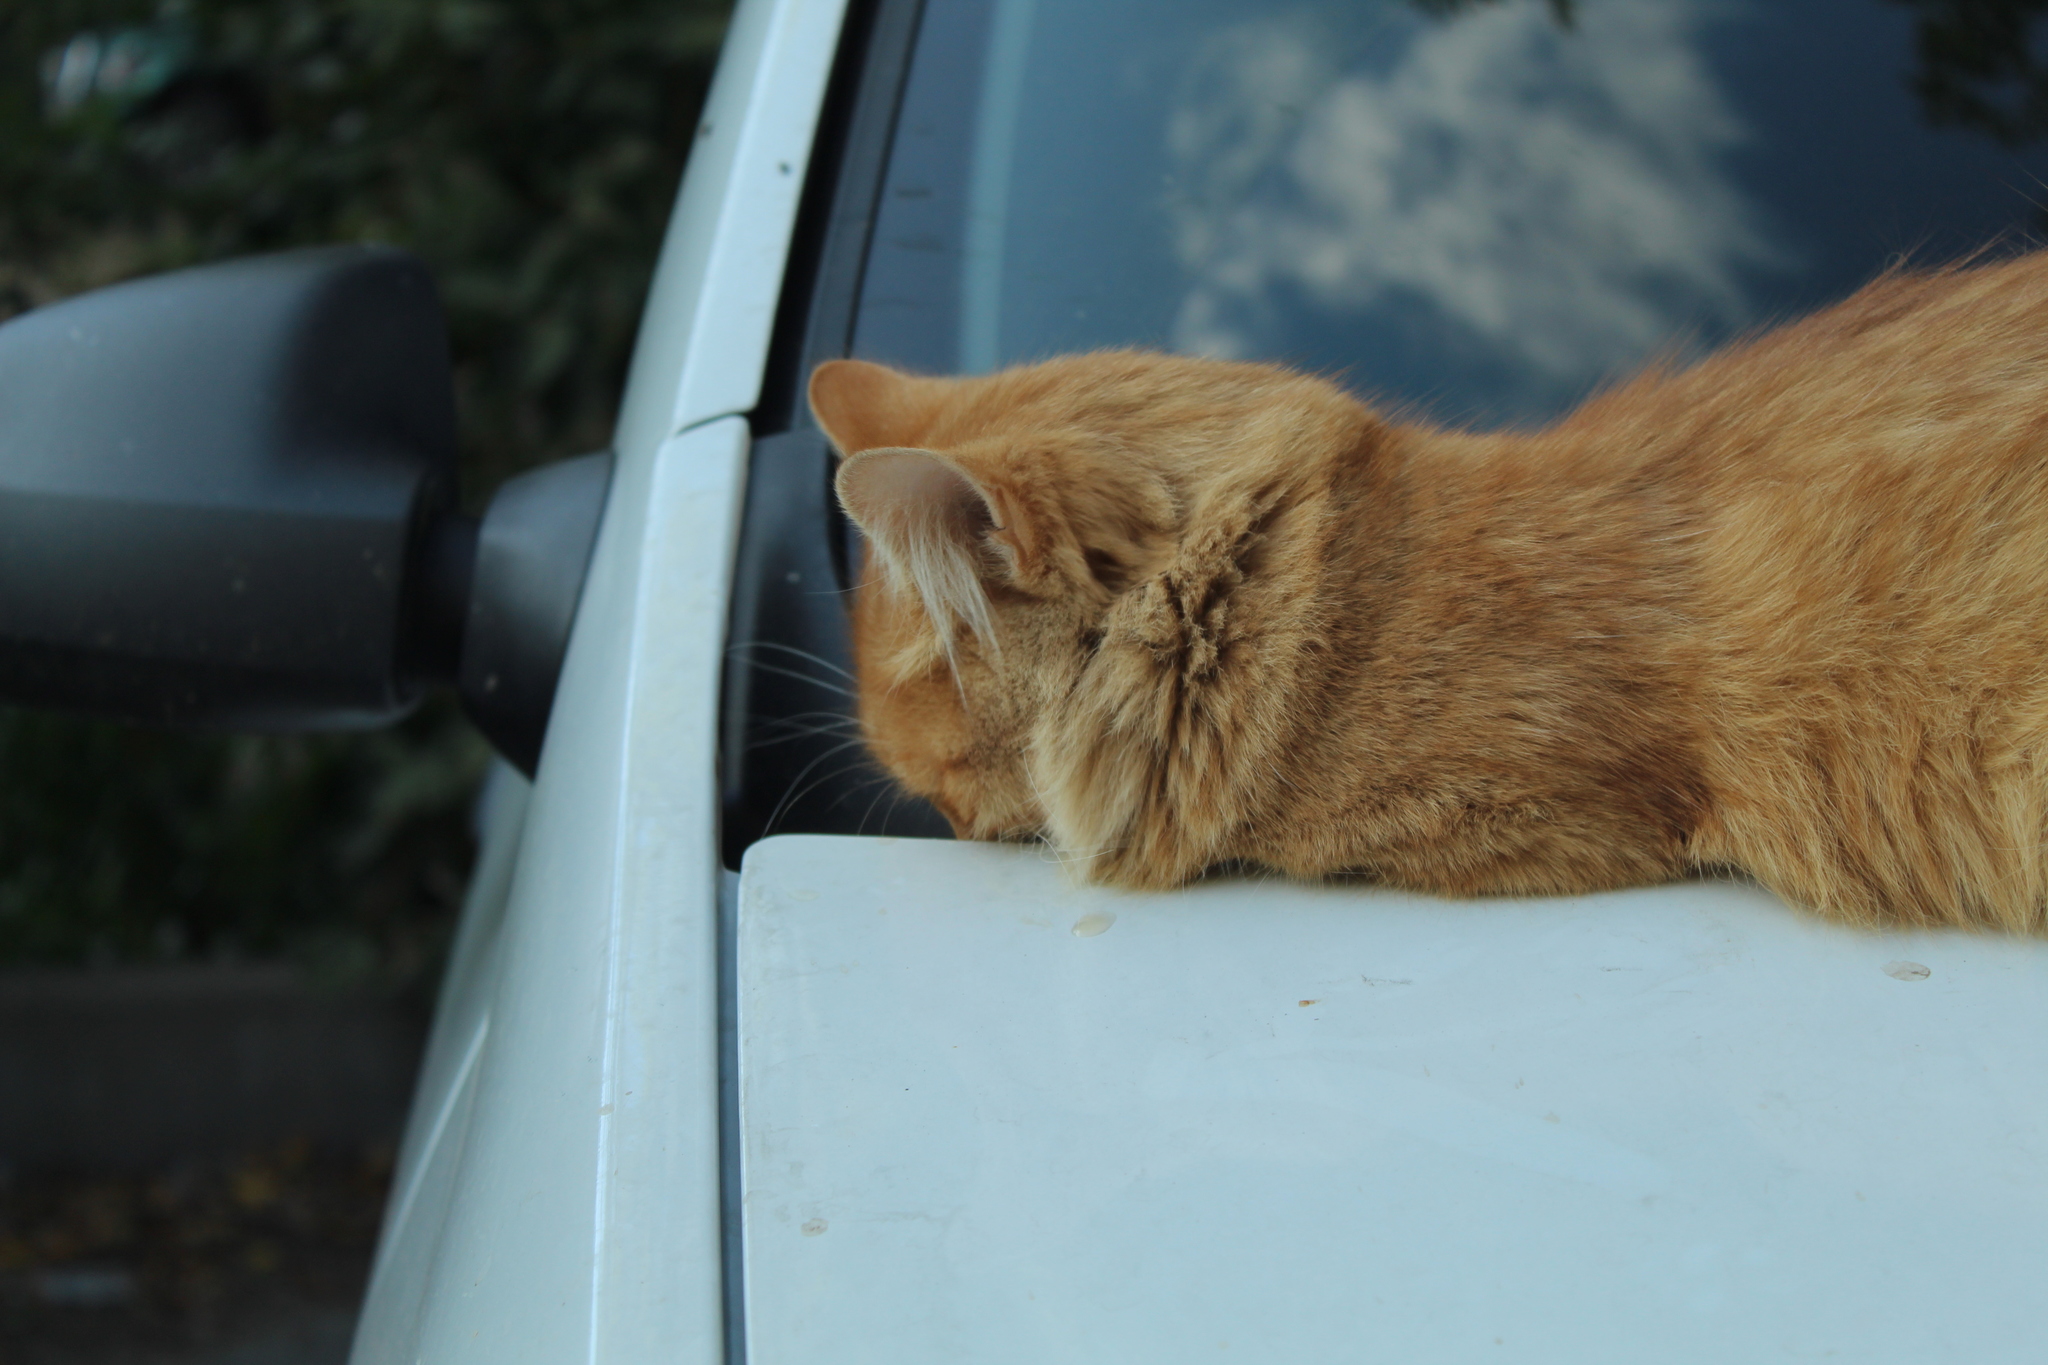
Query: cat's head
pixel 1033 537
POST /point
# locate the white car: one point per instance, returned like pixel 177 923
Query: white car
pixel 731 1066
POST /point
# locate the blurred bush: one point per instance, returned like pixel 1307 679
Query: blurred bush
pixel 529 150
pixel 196 1259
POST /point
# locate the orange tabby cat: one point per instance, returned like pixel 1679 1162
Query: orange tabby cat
pixel 1785 611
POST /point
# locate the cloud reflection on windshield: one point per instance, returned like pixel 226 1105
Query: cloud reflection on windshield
pixel 1556 196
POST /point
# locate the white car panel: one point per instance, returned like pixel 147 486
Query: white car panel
pixel 558 1194
pixel 1269 1122
pixel 446 1089
pixel 705 339
pixel 574 1141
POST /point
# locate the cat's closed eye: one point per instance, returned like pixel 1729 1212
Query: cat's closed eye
pixel 1112 573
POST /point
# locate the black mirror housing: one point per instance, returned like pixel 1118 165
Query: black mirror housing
pixel 532 553
pixel 215 486
pixel 227 499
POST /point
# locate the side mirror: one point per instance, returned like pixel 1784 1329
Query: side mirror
pixel 227 499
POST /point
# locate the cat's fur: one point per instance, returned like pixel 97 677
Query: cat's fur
pixel 1785 611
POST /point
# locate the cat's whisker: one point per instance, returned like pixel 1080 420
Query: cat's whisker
pixel 896 796
pixel 806 655
pixel 769 736
pixel 820 683
pixel 831 775
pixel 882 781
pixel 791 796
pixel 812 718
pixel 785 729
pixel 823 779
pixel 821 719
pixel 795 737
pixel 1076 857
pixel 869 813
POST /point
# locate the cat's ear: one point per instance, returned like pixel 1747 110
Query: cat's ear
pixel 864 406
pixel 928 520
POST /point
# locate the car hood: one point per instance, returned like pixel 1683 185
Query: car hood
pixel 988 1114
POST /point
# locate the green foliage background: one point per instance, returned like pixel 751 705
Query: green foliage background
pixel 529 150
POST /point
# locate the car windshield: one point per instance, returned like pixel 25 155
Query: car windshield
pixel 1477 210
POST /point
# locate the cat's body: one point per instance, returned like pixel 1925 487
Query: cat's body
pixel 1784 611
